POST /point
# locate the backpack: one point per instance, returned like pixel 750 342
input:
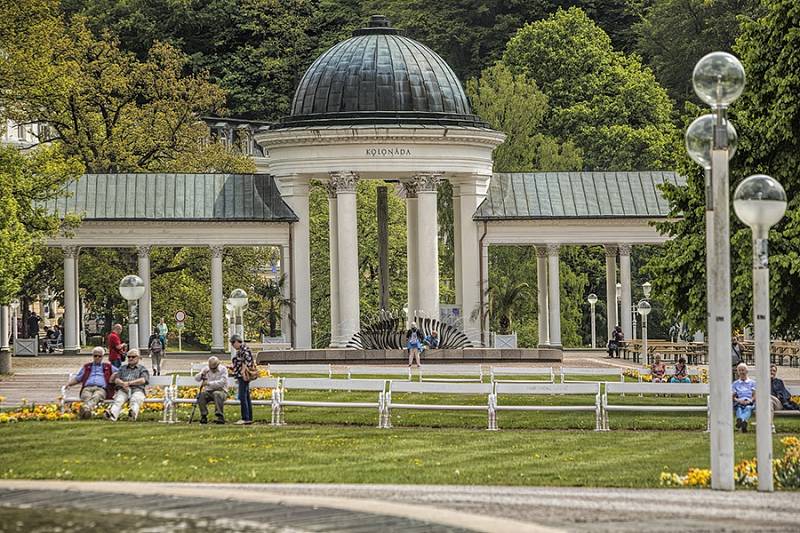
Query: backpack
pixel 155 345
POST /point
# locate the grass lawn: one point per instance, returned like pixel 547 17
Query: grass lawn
pixel 148 451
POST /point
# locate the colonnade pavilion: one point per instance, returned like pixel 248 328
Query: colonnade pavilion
pixel 376 106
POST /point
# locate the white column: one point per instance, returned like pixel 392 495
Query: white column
pixel 333 235
pixel 611 287
pixel 145 303
pixel 286 320
pixel 472 191
pixel 625 280
pixel 457 257
pixel 542 290
pixel 554 295
pixel 217 298
pixel 70 301
pixel 347 237
pixel 411 247
pixel 78 307
pixel 483 286
pixel 5 326
pixel 294 190
pixel 428 244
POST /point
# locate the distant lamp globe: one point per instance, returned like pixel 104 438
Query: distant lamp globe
pixel 759 202
pixel 132 287
pixel 699 136
pixel 238 298
pixel 647 287
pixel 592 299
pixel 718 79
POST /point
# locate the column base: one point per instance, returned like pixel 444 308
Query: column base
pixel 72 351
pixel 543 346
pixel 218 350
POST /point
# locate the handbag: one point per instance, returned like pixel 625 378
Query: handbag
pixel 249 373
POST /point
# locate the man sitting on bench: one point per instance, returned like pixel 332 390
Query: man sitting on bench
pixel 95 379
pixel 780 395
pixel 130 380
pixel 213 387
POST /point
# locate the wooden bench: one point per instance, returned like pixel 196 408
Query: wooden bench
pixel 451 373
pixel 546 373
pixel 589 372
pixel 163 383
pixel 662 389
pixel 539 389
pixel 414 387
pixel 794 390
pixel 670 371
pixel 292 385
pixel 232 385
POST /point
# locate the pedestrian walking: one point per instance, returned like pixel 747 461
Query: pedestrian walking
pixel 414 339
pixel 162 332
pixel 33 325
pixel 156 347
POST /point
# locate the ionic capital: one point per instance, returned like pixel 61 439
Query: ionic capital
pixel 611 250
pixel 552 249
pixel 625 249
pixel 343 182
pixel 217 250
pixel 409 189
pixel 144 250
pixel 541 251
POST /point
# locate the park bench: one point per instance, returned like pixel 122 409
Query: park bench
pixel 413 387
pixel 670 371
pixel 451 373
pixel 161 383
pixel 232 385
pixel 661 389
pixel 194 368
pixel 378 371
pixel 283 369
pixel 794 390
pixel 589 373
pixel 292 385
pixel 545 375
pixel 541 389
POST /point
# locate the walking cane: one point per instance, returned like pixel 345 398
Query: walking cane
pixel 194 407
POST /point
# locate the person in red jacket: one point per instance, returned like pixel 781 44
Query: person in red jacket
pixel 116 348
pixel 95 381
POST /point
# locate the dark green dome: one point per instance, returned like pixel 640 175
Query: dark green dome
pixel 379 77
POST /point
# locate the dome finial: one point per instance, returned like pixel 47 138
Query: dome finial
pixel 379 21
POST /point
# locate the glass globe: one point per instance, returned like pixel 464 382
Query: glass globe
pixel 643 308
pixel 718 79
pixel 14 304
pixel 619 290
pixel 759 201
pixel 131 288
pixel 238 298
pixel 646 288
pixel 699 137
pixel 592 298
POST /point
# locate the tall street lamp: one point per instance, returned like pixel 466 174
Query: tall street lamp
pixel 760 202
pixel 14 304
pixel 644 309
pixel 619 305
pixel 592 299
pixel 718 80
pixel 132 288
pixel 238 300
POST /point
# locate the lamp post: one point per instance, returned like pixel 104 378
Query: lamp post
pixel 760 202
pixel 592 299
pixel 14 304
pixel 132 288
pixel 229 315
pixel 718 80
pixel 238 300
pixel 619 303
pixel 644 309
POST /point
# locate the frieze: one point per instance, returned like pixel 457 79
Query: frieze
pixel 388 152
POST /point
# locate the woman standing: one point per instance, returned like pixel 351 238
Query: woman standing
pixel 413 343
pixel 156 347
pixel 244 370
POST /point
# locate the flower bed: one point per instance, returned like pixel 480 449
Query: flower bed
pixel 50 411
pixel 647 378
pixel 785 471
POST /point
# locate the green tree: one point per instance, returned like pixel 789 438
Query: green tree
pixel 672 35
pixel 605 102
pixel 514 105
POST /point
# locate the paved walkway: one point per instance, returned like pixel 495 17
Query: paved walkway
pixel 369 508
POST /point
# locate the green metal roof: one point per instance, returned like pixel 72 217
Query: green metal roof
pixel 178 197
pixel 543 195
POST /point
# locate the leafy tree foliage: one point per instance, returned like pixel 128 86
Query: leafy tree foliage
pixel 605 102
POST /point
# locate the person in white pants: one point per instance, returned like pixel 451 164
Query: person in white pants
pixel 130 380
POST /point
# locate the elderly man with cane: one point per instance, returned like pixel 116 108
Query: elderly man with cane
pixel 213 387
